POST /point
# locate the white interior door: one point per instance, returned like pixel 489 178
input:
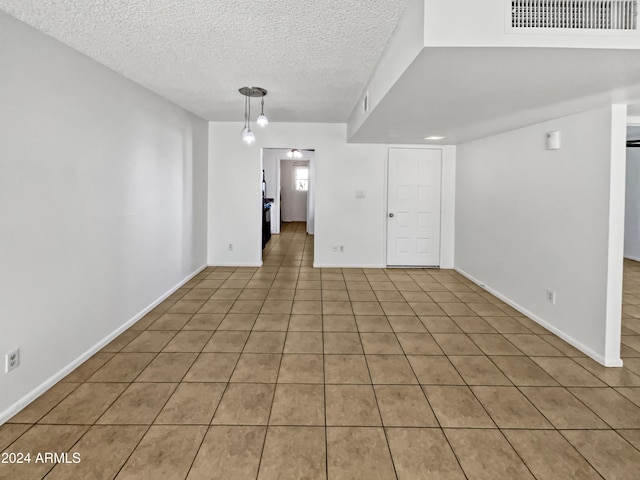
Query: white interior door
pixel 413 210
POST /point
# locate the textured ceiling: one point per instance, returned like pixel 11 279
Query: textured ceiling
pixel 314 57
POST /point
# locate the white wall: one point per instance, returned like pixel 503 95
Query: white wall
pixel 530 219
pixel 338 170
pixel 103 194
pixel 406 42
pixel 632 206
pixel 448 207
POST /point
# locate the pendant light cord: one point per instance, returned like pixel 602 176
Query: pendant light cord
pixel 246 115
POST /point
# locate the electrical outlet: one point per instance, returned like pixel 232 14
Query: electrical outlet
pixel 551 297
pixel 231 247
pixel 12 360
pixel 341 248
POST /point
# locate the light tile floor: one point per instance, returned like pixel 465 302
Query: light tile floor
pixel 291 372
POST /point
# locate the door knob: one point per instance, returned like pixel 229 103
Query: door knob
pixel 391 215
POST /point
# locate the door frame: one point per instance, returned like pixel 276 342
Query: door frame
pixel 311 209
pixel 292 165
pixel 443 173
pixel 279 184
pixel 294 169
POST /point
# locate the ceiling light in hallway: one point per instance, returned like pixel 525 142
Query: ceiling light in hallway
pixel 294 153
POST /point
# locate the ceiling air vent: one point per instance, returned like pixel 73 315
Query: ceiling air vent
pixel 575 14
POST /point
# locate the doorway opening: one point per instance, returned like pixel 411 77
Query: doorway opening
pixel 289 190
pixel 294 191
pixel 631 267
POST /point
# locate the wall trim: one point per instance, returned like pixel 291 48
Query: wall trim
pixel 234 264
pixel 631 257
pixel 55 378
pixel 337 265
pixel 607 362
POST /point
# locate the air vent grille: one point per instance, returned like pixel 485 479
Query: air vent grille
pixel 575 14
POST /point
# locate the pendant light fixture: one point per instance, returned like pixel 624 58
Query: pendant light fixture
pixel 247 135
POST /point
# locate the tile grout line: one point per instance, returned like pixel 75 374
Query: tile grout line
pixel 375 396
pixel 424 394
pixel 210 426
pixel 554 428
pixel 131 383
pixel 493 420
pixel 275 388
pixel 159 411
pixel 486 411
pixel 324 386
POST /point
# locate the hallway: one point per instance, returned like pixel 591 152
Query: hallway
pixel 286 371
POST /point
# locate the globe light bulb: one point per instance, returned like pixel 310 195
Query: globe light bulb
pixel 262 120
pixel 247 136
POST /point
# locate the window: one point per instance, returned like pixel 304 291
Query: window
pixel 302 179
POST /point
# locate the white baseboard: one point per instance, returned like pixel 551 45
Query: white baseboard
pixel 630 257
pixel 342 265
pixel 51 381
pixel 607 362
pixel 234 264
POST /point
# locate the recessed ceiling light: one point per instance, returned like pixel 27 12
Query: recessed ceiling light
pixel 434 137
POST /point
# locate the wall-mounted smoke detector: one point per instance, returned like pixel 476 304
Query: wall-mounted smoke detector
pixel 574 14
